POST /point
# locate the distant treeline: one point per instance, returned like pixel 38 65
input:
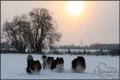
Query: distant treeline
pixel 112 52
pixel 94 49
pixel 92 46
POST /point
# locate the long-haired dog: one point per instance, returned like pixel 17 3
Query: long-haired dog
pixel 33 66
pixel 58 64
pixel 49 62
pixel 78 64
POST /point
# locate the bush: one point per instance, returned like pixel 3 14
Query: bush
pixel 114 52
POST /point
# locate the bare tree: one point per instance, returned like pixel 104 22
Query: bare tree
pixel 44 28
pixel 12 31
pixel 38 30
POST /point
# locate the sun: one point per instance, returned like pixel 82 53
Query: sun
pixel 75 7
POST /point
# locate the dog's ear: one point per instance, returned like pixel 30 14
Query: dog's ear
pixel 39 63
pixel 62 60
pixel 57 59
pixel 48 58
pixel 37 60
pixel 52 58
pixel 78 57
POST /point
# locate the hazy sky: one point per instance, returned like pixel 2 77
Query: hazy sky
pixel 98 21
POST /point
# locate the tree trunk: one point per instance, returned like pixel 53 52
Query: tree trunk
pixel 21 50
pixel 38 49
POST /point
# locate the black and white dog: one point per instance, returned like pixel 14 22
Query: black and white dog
pixel 58 64
pixel 33 66
pixel 78 64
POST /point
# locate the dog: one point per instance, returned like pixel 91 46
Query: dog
pixel 44 58
pixel 78 64
pixel 58 64
pixel 33 66
pixel 49 62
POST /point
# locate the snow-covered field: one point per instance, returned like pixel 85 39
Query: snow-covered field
pixel 13 67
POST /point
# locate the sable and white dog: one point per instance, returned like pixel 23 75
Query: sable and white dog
pixel 58 64
pixel 47 61
pixel 33 66
pixel 78 64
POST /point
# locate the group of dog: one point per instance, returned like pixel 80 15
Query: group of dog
pixel 34 66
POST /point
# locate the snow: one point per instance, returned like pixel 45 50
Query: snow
pixel 13 66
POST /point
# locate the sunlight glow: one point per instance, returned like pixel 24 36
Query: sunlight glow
pixel 75 7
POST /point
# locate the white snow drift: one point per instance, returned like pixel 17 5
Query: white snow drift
pixel 13 66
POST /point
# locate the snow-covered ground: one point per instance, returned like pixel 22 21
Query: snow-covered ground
pixel 13 67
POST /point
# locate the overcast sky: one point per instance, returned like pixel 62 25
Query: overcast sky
pixel 97 23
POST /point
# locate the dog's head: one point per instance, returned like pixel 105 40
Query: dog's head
pixel 61 61
pixel 80 60
pixel 50 60
pixel 36 66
